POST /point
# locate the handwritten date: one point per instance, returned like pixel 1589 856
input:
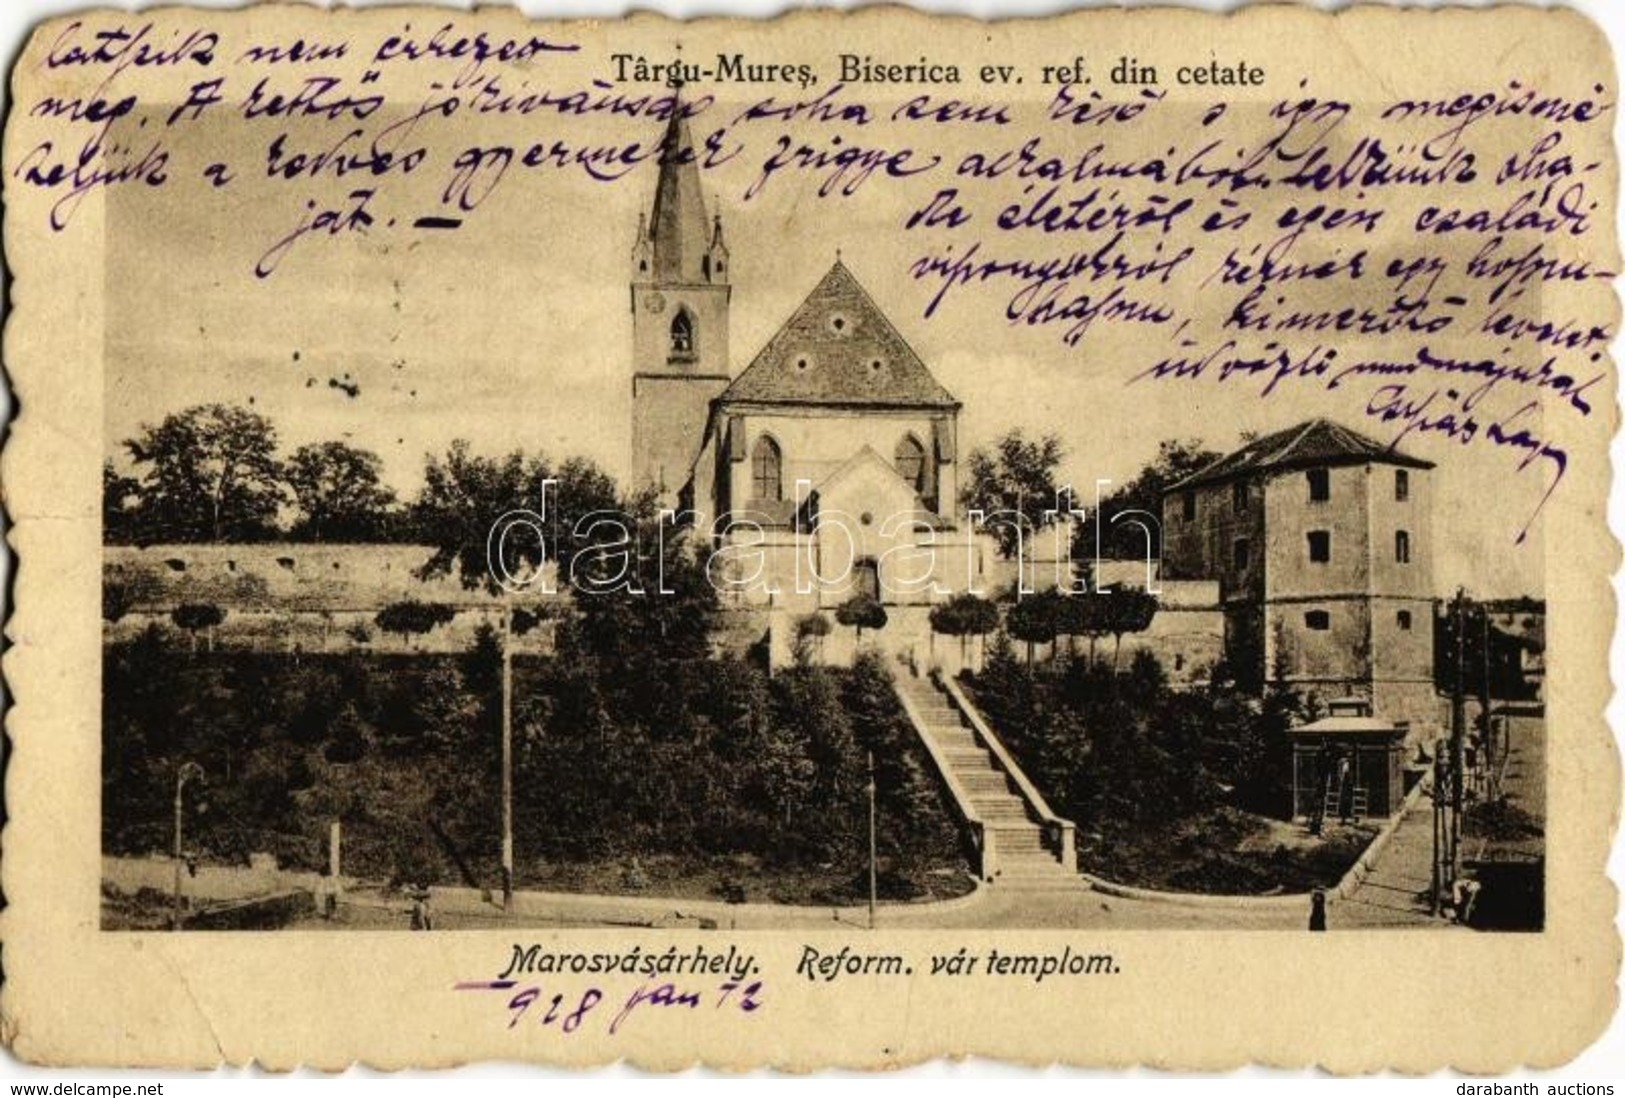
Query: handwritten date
pixel 569 1012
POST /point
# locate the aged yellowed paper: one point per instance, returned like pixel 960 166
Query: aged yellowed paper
pixel 829 541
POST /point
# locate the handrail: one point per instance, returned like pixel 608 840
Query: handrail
pixel 1065 830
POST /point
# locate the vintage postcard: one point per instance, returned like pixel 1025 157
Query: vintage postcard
pixel 830 541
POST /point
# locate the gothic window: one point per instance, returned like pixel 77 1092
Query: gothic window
pixel 766 470
pixel 682 334
pixel 1402 546
pixel 866 578
pixel 910 462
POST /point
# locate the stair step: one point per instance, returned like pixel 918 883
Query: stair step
pixel 1012 841
pixel 1031 870
pixel 1041 884
pixel 990 799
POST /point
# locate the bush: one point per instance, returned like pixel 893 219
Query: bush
pixel 411 617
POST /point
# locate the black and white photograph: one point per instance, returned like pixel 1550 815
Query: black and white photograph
pixel 819 542
pixel 721 581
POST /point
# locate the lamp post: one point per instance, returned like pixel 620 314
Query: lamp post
pixel 1458 736
pixel 872 880
pixel 188 772
pixel 507 755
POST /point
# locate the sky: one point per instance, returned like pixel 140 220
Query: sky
pixel 513 330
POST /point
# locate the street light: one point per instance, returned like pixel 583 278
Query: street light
pixel 507 753
pixel 872 840
pixel 188 772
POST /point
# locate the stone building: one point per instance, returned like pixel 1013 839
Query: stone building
pixel 829 465
pixel 1321 542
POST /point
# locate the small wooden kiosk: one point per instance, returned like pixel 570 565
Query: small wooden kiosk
pixel 1347 765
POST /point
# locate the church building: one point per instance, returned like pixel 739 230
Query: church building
pixel 828 465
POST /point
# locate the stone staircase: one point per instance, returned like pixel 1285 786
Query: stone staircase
pixel 1023 844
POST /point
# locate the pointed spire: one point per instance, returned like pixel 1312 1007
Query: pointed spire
pixel 678 223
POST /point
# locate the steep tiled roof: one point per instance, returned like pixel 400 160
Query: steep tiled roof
pixel 839 348
pixel 1317 442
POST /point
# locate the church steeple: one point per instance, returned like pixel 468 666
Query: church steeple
pixel 680 293
pixel 680 233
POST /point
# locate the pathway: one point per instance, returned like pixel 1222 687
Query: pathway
pixel 1395 892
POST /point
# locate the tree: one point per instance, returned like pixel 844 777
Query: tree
pixel 463 498
pixel 211 474
pixel 339 491
pixel 464 495
pixel 124 589
pixel 811 629
pixel 1034 619
pixel 121 502
pixel 1013 485
pixel 195 617
pixel 641 594
pixel 1122 540
pixel 410 617
pixel 442 711
pixel 1124 610
pixel 861 612
pixel 1083 614
pixel 964 616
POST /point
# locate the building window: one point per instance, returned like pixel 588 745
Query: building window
pixel 1402 546
pixel 866 579
pixel 1320 546
pixel 1404 619
pixel 1242 554
pixel 1187 505
pixel 1320 485
pixel 1318 620
pixel 682 334
pixel 1402 485
pixel 1238 496
pixel 909 460
pixel 766 470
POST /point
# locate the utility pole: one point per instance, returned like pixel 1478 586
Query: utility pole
pixel 186 773
pixel 1458 735
pixel 872 877
pixel 1487 727
pixel 507 754
pixel 1439 836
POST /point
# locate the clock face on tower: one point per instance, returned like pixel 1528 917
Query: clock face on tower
pixel 655 302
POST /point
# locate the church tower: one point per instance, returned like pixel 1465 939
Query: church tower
pixel 680 295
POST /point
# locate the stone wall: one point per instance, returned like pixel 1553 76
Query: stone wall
pixel 302 596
